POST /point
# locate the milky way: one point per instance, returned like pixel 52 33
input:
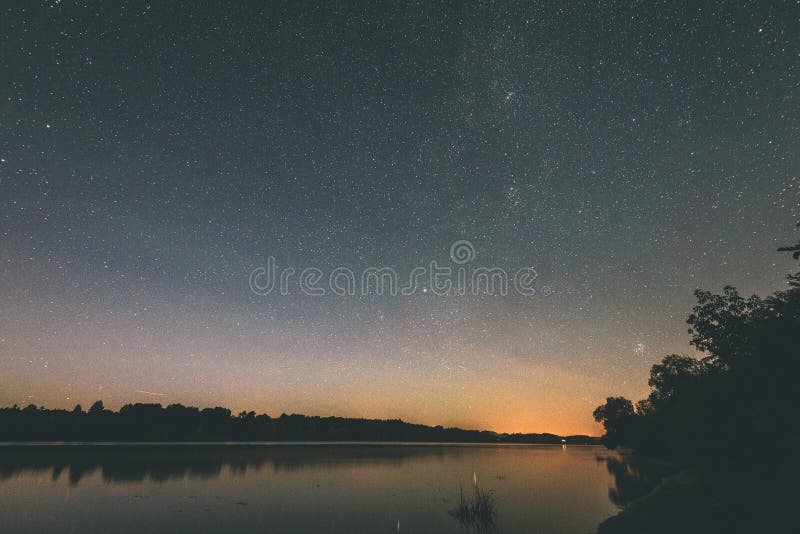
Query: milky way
pixel 153 155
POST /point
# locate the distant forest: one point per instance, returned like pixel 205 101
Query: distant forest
pixel 734 403
pixel 178 423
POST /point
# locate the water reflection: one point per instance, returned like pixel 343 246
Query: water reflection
pixel 314 488
pixel 135 463
pixel 634 476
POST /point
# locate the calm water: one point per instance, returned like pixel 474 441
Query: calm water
pixel 309 488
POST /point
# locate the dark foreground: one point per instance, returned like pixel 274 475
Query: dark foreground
pixel 740 499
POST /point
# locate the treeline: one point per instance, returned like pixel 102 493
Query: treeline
pixel 736 401
pixel 176 423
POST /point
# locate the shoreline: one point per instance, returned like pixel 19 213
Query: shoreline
pixel 278 443
pixel 733 499
pixel 652 512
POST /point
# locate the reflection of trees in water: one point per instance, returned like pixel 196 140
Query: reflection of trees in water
pixel 634 477
pixel 745 497
pixel 134 463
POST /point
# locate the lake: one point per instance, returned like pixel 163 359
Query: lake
pixel 334 488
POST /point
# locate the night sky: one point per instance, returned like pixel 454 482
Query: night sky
pixel 152 155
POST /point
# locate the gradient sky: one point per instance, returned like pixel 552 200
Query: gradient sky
pixel 153 155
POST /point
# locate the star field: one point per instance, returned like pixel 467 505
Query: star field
pixel 153 155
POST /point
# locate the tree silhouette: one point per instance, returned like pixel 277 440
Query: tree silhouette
pixel 674 374
pixel 616 416
pixel 152 422
pixel 794 249
pixel 722 405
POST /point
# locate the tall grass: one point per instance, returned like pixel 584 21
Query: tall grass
pixel 477 512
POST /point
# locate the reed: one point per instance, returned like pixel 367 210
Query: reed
pixel 477 511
